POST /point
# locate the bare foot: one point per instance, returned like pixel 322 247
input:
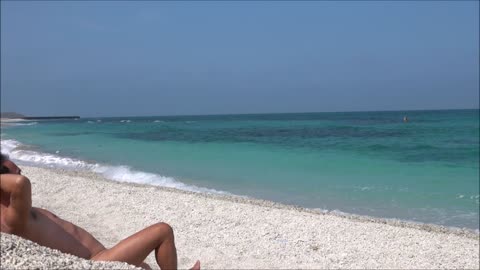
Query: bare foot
pixel 196 266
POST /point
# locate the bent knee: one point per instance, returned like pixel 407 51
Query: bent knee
pixel 163 229
pixel 22 185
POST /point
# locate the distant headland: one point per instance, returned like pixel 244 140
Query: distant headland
pixel 14 115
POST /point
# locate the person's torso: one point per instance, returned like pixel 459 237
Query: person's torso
pixel 46 229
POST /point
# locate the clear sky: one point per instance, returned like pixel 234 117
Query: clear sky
pixel 92 58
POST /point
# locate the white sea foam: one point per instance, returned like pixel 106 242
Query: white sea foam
pixel 26 124
pixel 28 157
pixel 126 174
pixel 22 124
pixel 13 120
pixel 9 145
pixel 118 173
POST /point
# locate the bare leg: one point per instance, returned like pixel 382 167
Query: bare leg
pixel 196 266
pixel 135 249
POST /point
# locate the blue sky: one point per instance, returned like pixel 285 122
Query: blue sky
pixel 93 58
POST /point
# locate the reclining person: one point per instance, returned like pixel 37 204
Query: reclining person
pixel 45 228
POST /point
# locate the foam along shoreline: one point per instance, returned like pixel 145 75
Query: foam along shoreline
pixel 24 155
pixel 6 120
pixel 234 232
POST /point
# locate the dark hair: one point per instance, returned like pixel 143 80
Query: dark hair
pixel 3 169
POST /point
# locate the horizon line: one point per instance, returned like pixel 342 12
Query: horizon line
pixel 304 112
pixel 253 113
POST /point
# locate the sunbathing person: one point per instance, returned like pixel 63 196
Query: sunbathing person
pixel 45 228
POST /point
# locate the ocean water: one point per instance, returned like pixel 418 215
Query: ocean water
pixel 368 163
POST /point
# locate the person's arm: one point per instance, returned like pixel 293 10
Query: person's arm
pixel 19 188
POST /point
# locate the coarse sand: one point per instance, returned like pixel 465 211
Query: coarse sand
pixel 229 232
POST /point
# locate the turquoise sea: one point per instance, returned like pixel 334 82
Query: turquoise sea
pixel 369 163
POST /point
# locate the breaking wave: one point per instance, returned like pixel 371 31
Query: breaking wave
pixel 17 152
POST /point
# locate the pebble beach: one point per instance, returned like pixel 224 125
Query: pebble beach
pixel 228 232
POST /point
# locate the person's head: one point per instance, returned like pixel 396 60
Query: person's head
pixel 7 166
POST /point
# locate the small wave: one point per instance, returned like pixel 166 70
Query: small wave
pixel 126 174
pixel 23 124
pixel 362 188
pixel 118 173
pixel 321 210
pixel 28 157
pixel 466 197
pixel 9 145
pixel 94 121
pixel 125 121
pixel 158 121
pixel 14 120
